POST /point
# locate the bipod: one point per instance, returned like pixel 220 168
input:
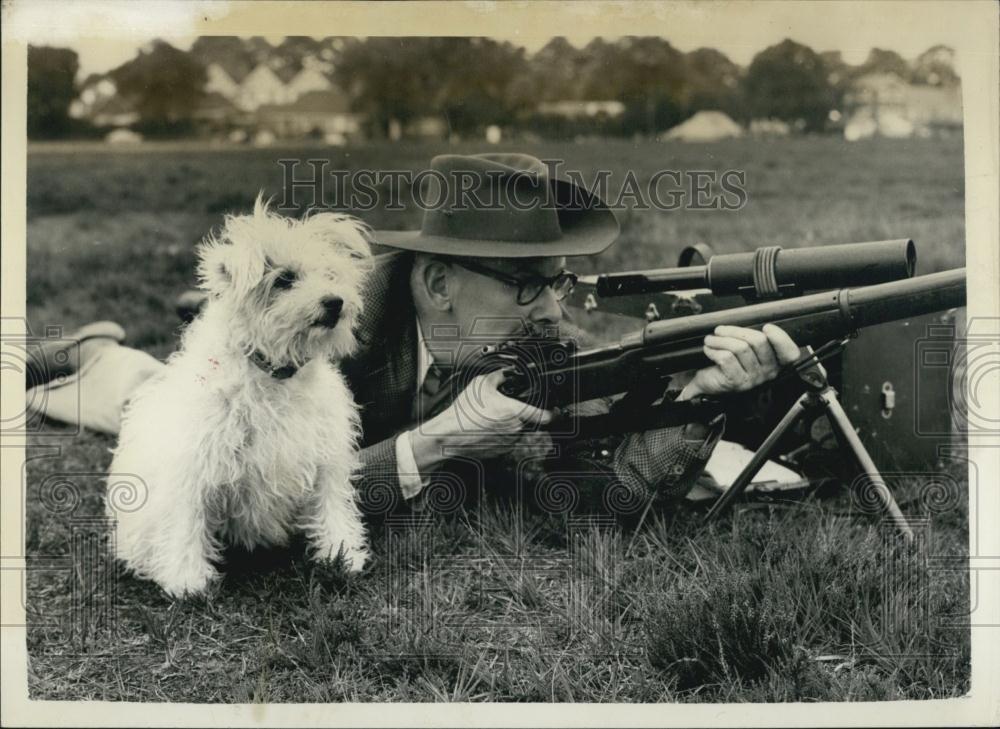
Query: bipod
pixel 819 396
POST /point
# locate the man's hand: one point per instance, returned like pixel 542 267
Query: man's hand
pixel 481 420
pixel 744 359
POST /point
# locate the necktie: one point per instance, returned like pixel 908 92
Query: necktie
pixel 434 395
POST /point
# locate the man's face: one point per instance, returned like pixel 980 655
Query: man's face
pixel 486 308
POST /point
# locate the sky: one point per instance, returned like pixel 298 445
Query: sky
pixel 739 30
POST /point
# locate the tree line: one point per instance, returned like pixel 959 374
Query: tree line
pixel 475 82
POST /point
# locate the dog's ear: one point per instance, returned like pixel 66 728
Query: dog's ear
pixel 215 273
pixel 231 259
pixel 348 234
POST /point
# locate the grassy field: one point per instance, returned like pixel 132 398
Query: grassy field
pixel 779 602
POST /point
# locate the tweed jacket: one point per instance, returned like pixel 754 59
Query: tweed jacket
pixel 382 375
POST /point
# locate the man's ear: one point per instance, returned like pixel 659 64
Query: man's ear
pixel 436 280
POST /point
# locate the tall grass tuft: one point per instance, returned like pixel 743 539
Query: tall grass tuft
pixel 731 628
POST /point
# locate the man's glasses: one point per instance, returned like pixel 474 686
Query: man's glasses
pixel 530 287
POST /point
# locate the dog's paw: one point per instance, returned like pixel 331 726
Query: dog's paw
pixel 356 559
pixel 189 582
pixel 352 559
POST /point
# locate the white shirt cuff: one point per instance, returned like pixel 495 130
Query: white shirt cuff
pixel 410 481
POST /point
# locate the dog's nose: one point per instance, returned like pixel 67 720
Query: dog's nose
pixel 332 306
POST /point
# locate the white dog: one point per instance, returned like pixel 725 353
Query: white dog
pixel 250 431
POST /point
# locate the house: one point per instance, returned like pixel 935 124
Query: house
pixel 266 84
pixel 934 106
pixel 316 113
pixel 705 126
pixel 571 109
pixel 306 80
pixel 884 104
pixel 219 81
pixel 112 111
pixel 262 87
pixel 217 114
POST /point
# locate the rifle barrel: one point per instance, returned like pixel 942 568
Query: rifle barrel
pixel 854 308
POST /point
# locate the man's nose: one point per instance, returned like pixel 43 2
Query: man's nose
pixel 546 309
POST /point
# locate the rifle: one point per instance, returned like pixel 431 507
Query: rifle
pixel 640 365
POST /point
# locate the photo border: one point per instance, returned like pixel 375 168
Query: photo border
pixel 979 52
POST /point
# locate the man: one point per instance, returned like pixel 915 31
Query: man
pixel 488 265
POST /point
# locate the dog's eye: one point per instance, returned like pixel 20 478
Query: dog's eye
pixel 285 279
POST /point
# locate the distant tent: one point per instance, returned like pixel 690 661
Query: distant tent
pixel 705 126
pixel 123 136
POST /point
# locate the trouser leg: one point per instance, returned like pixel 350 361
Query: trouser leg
pixel 95 396
pixel 64 356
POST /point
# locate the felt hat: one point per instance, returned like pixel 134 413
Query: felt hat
pixel 504 206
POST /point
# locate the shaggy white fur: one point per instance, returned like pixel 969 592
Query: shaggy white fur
pixel 226 451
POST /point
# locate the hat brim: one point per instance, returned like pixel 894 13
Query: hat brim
pixel 585 232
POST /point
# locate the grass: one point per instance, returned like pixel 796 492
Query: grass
pixel 808 601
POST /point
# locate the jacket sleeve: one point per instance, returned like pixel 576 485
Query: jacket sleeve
pixel 378 478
